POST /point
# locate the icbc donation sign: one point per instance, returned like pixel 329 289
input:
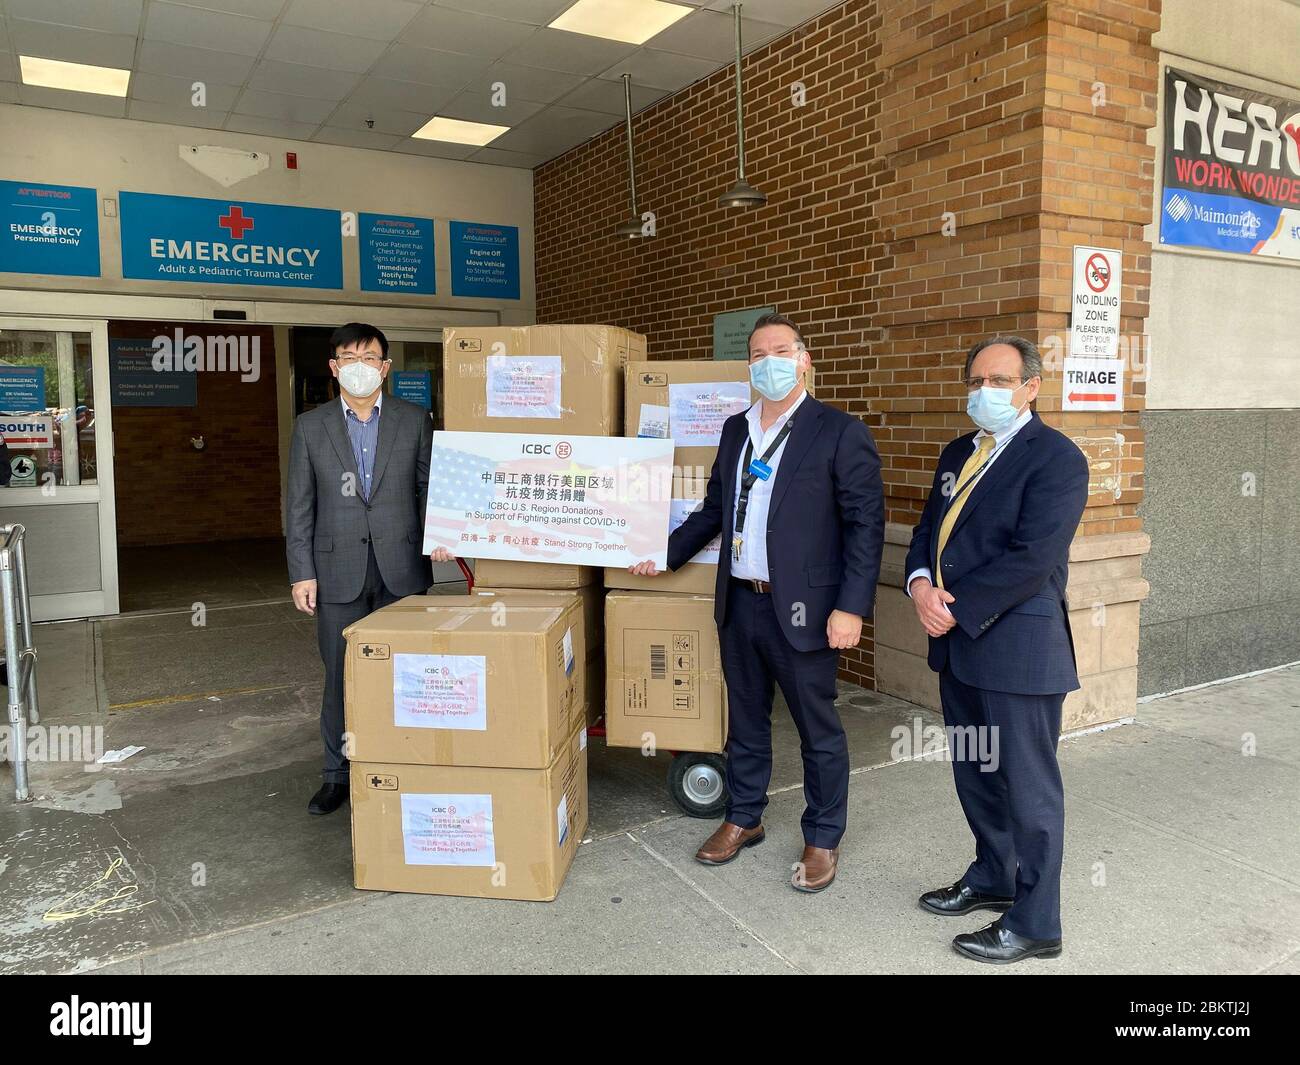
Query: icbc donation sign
pixel 577 500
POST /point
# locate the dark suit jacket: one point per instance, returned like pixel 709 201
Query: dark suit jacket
pixel 1006 561
pixel 826 522
pixel 327 529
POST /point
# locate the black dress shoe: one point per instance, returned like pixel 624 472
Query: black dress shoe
pixel 1000 946
pixel 328 799
pixel 959 899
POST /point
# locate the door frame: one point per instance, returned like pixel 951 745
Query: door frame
pixel 66 605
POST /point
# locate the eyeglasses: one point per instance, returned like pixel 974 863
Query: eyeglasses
pixel 784 353
pixel 974 384
pixel 369 360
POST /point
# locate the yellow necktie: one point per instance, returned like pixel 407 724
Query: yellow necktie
pixel 972 467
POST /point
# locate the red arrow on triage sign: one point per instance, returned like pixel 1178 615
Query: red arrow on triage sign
pixel 1092 397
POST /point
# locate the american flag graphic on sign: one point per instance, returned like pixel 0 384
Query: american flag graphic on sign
pixel 460 480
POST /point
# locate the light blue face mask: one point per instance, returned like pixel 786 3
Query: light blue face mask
pixel 774 376
pixel 991 408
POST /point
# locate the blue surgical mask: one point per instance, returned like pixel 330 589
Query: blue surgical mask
pixel 991 408
pixel 774 376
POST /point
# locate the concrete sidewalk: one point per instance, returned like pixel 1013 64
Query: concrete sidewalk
pixel 1181 850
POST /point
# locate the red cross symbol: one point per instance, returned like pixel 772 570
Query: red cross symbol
pixel 236 222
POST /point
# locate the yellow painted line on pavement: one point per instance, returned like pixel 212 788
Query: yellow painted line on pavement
pixel 189 697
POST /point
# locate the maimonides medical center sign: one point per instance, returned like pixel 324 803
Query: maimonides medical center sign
pixel 1231 168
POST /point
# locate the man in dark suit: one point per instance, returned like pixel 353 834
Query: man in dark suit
pixel 797 496
pixel 986 571
pixel 358 477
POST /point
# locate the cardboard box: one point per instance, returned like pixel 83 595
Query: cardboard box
pixel 663 672
pixel 500 573
pixel 453 680
pixel 700 575
pixel 464 830
pixel 687 399
pixel 537 378
pixel 592 598
pixel 596 686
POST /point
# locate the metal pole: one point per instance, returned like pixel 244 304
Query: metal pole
pixel 631 161
pixel 740 115
pixel 25 616
pixel 14 657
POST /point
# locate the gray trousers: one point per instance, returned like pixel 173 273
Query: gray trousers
pixel 331 620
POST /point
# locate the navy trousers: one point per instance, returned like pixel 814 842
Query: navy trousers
pixel 755 657
pixel 1017 811
pixel 331 620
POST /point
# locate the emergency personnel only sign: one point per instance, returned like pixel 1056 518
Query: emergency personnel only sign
pixel 1095 302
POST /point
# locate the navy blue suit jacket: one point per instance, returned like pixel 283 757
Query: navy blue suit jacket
pixel 825 525
pixel 1006 563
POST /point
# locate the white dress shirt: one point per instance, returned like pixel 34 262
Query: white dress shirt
pixel 752 563
pixel 999 440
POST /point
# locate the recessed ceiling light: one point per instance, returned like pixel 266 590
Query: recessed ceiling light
pixel 75 77
pixel 630 21
pixel 458 131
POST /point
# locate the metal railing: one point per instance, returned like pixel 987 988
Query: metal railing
pixel 20 654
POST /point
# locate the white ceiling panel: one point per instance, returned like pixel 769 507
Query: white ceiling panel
pixel 381 19
pixel 555 126
pixel 72 45
pixel 439 149
pixel 8 67
pixel 178 92
pixel 176 114
pixel 271 127
pixel 661 70
pixel 533 12
pixel 317 48
pixel 267 9
pixel 391 120
pixel 176 24
pixel 298 80
pixel 107 16
pixel 597 94
pixel 500 157
pixel 531 83
pixel 195 64
pixel 89 103
pixel 429 66
pixel 787 13
pixel 282 105
pixel 356 138
pixel 476 106
pixel 712 36
pixel 8 92
pixel 572 52
pixel 441 27
pixel 402 95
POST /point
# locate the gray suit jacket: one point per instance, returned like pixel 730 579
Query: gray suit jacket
pixel 328 524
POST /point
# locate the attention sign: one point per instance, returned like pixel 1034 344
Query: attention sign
pixel 1095 302
pixel 1093 384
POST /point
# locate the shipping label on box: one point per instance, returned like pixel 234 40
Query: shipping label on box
pixel 697 410
pixel 448 830
pixel 524 386
pixel 440 691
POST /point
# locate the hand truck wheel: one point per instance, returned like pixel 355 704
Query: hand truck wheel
pixel 698 783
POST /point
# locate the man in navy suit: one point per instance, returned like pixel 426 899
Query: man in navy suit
pixel 797 496
pixel 986 572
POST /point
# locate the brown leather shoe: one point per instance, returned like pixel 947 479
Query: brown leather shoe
pixel 816 869
pixel 726 843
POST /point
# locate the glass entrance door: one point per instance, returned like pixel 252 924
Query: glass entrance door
pixel 56 421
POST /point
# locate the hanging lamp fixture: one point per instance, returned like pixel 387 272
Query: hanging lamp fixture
pixel 742 193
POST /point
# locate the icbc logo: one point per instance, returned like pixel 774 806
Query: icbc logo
pixel 563 449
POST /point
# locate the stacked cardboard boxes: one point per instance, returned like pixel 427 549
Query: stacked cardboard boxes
pixel 467 736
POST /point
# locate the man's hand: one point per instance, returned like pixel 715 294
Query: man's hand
pixel 931 606
pixel 441 554
pixel 304 596
pixel 843 630
pixel 644 569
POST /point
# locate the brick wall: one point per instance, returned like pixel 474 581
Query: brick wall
pixel 910 110
pixel 168 493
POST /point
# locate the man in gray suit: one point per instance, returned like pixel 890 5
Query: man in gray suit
pixel 358 477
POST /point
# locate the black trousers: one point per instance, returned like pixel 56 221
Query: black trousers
pixel 756 656
pixel 331 620
pixel 1017 811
